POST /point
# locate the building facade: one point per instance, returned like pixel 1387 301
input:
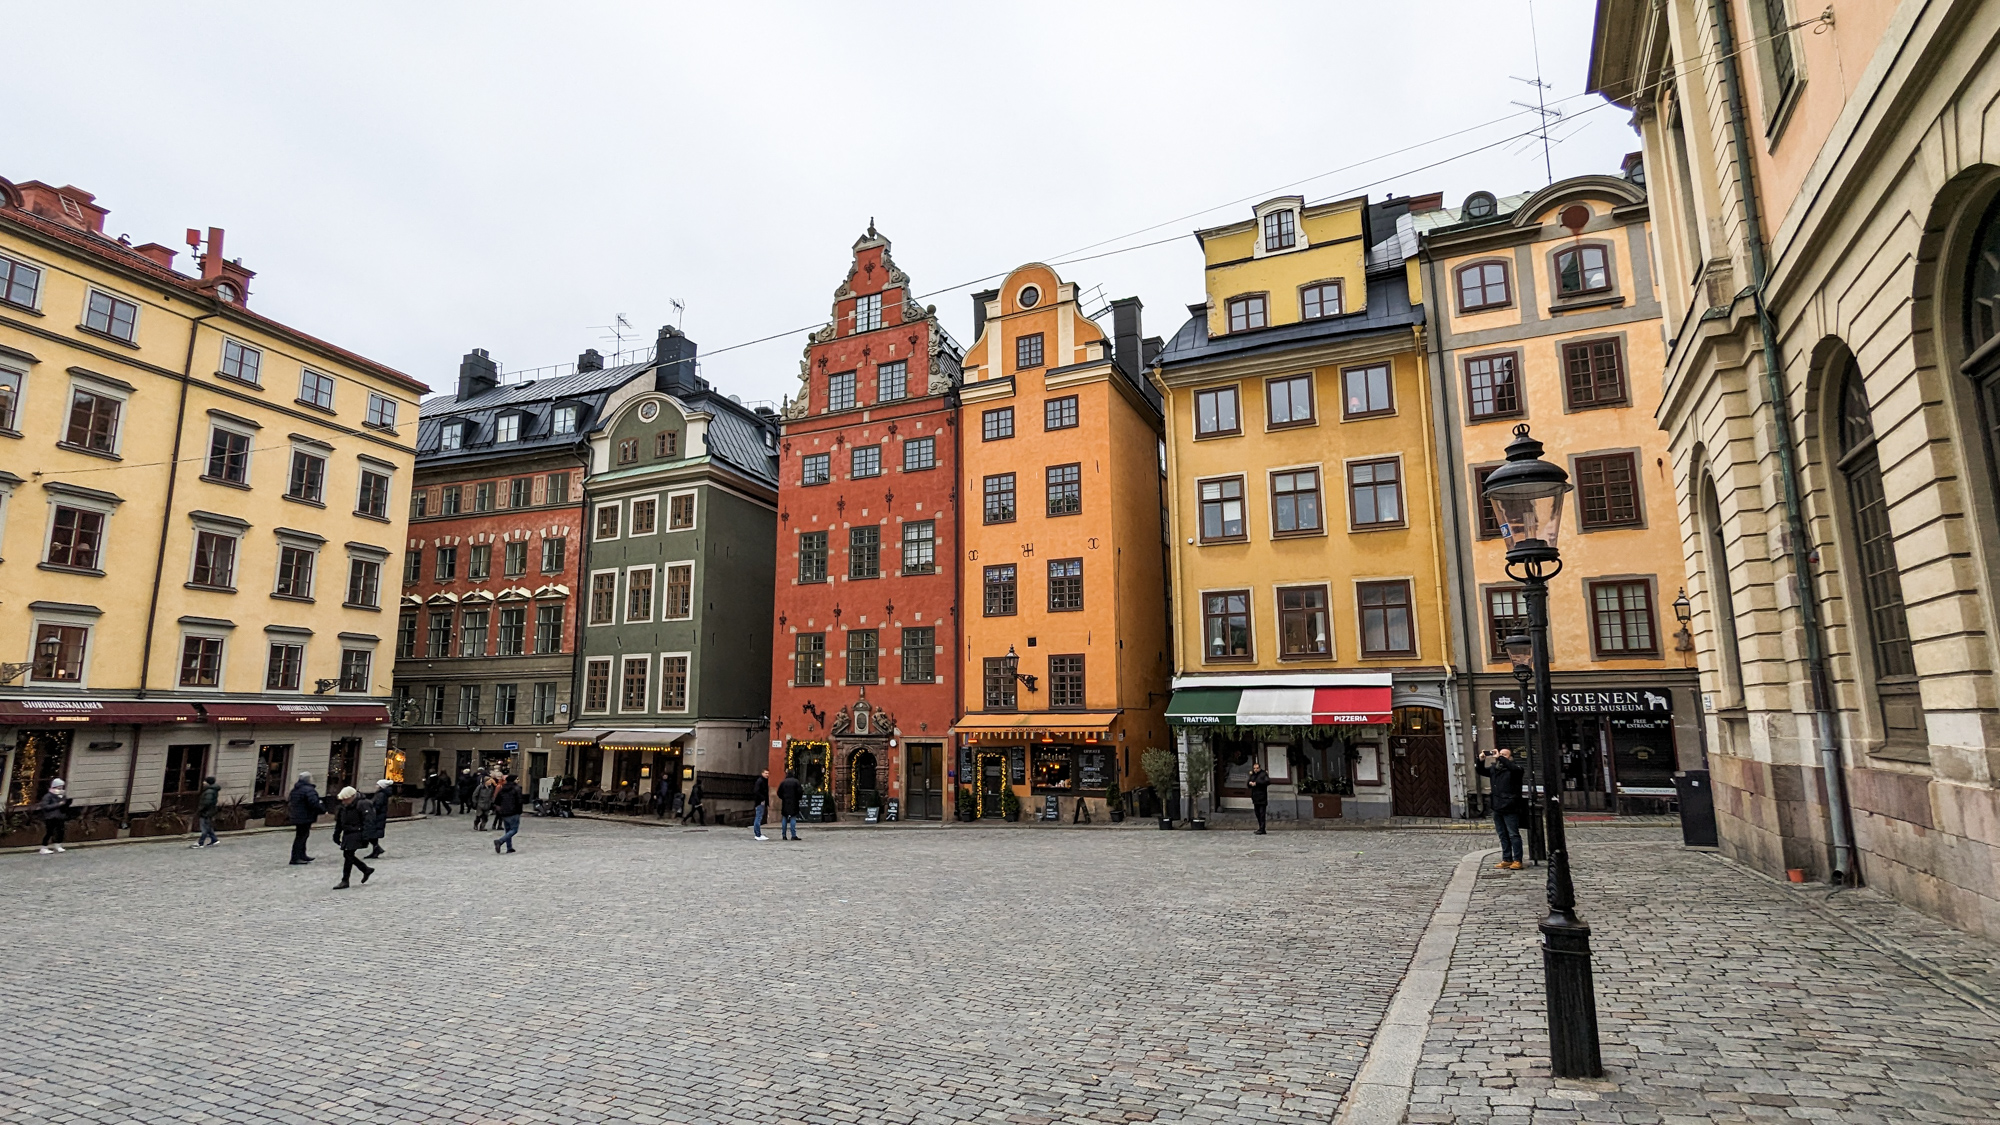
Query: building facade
pixel 196 522
pixel 1311 627
pixel 864 684
pixel 673 678
pixel 1826 229
pixel 486 639
pixel 1064 651
pixel 1544 310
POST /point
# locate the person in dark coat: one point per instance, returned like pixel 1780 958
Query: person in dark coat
pixel 760 796
pixel 1508 806
pixel 482 802
pixel 377 823
pixel 466 784
pixel 790 792
pixel 304 806
pixel 430 793
pixel 1260 792
pixel 507 810
pixel 694 810
pixel 204 812
pixel 53 808
pixel 350 830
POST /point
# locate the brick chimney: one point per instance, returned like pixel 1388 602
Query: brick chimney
pixel 590 360
pixel 162 256
pixel 217 271
pixel 477 374
pixel 1125 348
pixel 674 363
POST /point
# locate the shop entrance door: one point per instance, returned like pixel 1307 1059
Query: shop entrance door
pixel 923 790
pixel 992 780
pixel 1418 783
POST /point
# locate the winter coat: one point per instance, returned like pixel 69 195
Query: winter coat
pixel 350 823
pixel 482 797
pixel 211 796
pixel 694 796
pixel 1260 787
pixel 508 801
pixel 376 818
pixel 53 806
pixel 761 792
pixel 466 784
pixel 789 793
pixel 304 803
pixel 1506 774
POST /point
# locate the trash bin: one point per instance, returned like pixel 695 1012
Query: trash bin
pixel 1697 800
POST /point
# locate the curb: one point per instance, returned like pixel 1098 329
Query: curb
pixel 35 849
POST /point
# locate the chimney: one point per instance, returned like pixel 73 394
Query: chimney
pixel 1125 347
pixel 590 360
pixel 216 270
pixel 477 374
pixel 211 262
pixel 162 256
pixel 673 363
pixel 69 205
pixel 979 300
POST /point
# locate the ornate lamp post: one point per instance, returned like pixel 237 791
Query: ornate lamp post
pixel 1521 650
pixel 1527 494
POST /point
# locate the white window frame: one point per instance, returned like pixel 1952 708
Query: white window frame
pixel 660 591
pixel 86 622
pixel 205 633
pixel 624 615
pixel 298 544
pixel 272 640
pixel 111 295
pixel 595 509
pixel 103 508
pixel 249 451
pixel 451 437
pixel 618 685
pixel 630 505
pixel 102 389
pixel 381 469
pixel 223 361
pixel 687 703
pixel 20 373
pixel 8 482
pixel 361 553
pixel 694 509
pixel 233 531
pixel 349 643
pixel 590 591
pixel 873 303
pixel 383 405
pixel 611 685
pixel 331 386
pixel 556 419
pixel 507 428
pixel 41 285
pixel 323 456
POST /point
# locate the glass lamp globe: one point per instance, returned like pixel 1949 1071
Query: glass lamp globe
pixel 1527 495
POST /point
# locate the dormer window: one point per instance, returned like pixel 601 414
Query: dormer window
pixel 507 428
pixel 451 437
pixel 564 421
pixel 868 313
pixel 227 292
pixel 1280 231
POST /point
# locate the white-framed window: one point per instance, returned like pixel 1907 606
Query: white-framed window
pixel 507 428
pixel 111 315
pixel 563 421
pixel 202 653
pixel 20 283
pixel 96 416
pixel 371 497
pixel 674 681
pixel 639 593
pixel 306 479
pixel 297 559
pixel 218 545
pixel 316 388
pixel 677 594
pixel 605 528
pixel 228 453
pixel 680 511
pixel 451 436
pixel 364 580
pixel 868 313
pixel 242 362
pixel 597 686
pixel 285 662
pixel 13 384
pixel 381 411
pixel 59 647
pixel 78 533
pixel 633 674
pixel 7 483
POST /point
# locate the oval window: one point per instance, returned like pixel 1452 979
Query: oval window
pixel 648 411
pixel 1030 297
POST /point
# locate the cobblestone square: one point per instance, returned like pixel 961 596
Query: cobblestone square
pixel 612 973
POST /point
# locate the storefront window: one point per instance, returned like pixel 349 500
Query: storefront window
pixel 1055 769
pixel 1095 767
pixel 39 758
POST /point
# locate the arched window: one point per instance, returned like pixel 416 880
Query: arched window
pixel 1722 597
pixel 1482 285
pixel 1875 573
pixel 1982 322
pixel 1582 270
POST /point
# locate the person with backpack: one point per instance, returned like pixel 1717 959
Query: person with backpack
pixel 482 803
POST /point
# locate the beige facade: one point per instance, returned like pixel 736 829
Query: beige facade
pixel 1828 403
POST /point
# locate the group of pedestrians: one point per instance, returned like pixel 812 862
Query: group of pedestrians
pixel 359 822
pixel 790 793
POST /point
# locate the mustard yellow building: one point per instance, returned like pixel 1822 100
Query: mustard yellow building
pixel 1311 631
pixel 1544 311
pixel 1062 610
pixel 198 515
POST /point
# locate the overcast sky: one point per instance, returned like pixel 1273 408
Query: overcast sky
pixel 414 179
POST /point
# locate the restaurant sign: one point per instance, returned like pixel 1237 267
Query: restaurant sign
pixel 1618 701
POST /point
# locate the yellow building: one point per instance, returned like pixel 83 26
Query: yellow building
pixel 197 519
pixel 1311 628
pixel 1544 310
pixel 1062 609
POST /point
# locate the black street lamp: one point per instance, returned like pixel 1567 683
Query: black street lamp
pixel 1527 495
pixel 1521 650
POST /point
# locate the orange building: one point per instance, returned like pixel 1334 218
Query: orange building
pixel 1065 653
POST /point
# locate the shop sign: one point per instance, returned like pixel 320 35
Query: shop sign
pixel 1614 701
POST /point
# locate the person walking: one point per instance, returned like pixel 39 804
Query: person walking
pixel 377 823
pixel 350 830
pixel 466 784
pixel 204 812
pixel 694 810
pixel 1505 774
pixel 760 795
pixel 507 812
pixel 431 793
pixel 54 810
pixel 1260 792
pixel 789 794
pixel 482 803
pixel 304 806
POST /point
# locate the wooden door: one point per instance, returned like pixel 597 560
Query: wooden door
pixel 923 791
pixel 1418 783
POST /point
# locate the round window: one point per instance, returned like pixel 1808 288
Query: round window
pixel 226 292
pixel 648 411
pixel 1030 297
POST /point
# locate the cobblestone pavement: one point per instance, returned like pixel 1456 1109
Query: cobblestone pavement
pixel 1722 997
pixel 612 973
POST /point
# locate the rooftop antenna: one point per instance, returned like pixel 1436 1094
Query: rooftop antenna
pixel 680 311
pixel 615 332
pixel 1541 107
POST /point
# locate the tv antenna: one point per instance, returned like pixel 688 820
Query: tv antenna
pixel 1545 115
pixel 680 310
pixel 615 332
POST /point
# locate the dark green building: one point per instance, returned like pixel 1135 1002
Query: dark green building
pixel 681 515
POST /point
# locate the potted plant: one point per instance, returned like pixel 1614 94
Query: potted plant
pixel 92 822
pixel 277 816
pixel 964 807
pixel 230 816
pixel 161 822
pixel 1201 767
pixel 1114 801
pixel 1163 770
pixel 1010 805
pixel 20 829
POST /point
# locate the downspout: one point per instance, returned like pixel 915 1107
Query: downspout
pixel 580 449
pixel 1177 594
pixel 959 657
pixel 1460 538
pixel 160 555
pixel 1816 663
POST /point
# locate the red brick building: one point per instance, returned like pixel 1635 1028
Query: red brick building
pixel 863 680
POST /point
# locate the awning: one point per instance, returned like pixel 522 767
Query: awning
pixel 14 712
pixel 357 713
pixel 1280 706
pixel 657 739
pixel 581 736
pixel 1042 724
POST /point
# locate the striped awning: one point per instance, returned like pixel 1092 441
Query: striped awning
pixel 1042 724
pixel 1280 706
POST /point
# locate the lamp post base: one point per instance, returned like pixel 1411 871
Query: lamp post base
pixel 1572 999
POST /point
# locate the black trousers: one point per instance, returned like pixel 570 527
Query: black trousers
pixel 52 831
pixel 299 834
pixel 350 861
pixel 1260 816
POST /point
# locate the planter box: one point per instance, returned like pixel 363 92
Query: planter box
pixel 147 826
pixel 277 818
pixel 1326 806
pixel 400 807
pixel 22 837
pixel 104 829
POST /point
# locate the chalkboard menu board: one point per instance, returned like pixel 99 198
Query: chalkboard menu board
pixel 1052 807
pixel 1093 769
pixel 816 807
pixel 964 762
pixel 874 815
pixel 1017 765
pixel 893 810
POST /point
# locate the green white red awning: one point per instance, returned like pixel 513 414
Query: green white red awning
pixel 1281 706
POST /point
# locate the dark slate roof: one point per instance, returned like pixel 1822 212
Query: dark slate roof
pixel 535 402
pixel 1388 309
pixel 737 434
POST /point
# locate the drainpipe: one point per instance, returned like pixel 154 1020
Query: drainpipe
pixel 160 555
pixel 1822 696
pixel 959 657
pixel 1430 346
